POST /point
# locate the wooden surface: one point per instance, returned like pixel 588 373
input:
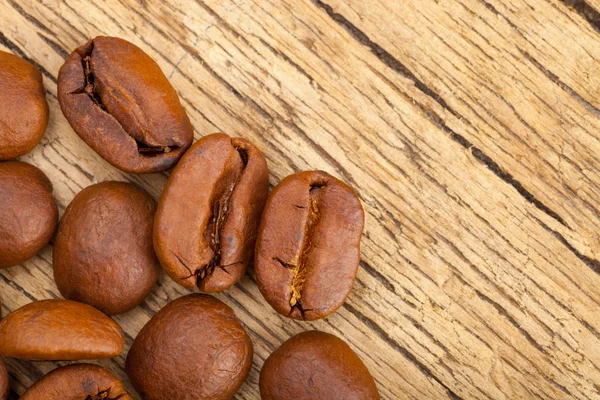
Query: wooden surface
pixel 470 129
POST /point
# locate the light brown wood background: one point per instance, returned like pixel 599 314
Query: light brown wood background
pixel 470 129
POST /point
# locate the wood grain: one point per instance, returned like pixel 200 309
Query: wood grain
pixel 470 129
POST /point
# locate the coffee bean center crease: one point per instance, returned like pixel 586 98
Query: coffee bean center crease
pixel 300 266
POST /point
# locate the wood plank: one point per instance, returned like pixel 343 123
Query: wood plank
pixel 475 166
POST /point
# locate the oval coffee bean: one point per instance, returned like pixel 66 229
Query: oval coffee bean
pixel 120 103
pixel 28 213
pixel 77 382
pixel 316 366
pixel 59 330
pixel 194 348
pixel 4 388
pixel 208 214
pixel 24 111
pixel 103 254
pixel 308 246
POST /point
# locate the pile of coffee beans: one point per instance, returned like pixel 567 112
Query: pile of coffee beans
pixel 214 218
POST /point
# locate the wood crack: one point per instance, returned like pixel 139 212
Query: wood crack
pixel 17 50
pixel 586 11
pixel 399 348
pixel 588 106
pixel 396 65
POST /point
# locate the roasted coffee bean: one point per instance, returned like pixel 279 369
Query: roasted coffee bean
pixel 103 254
pixel 194 348
pixel 120 103
pixel 28 214
pixel 24 110
pixel 316 366
pixel 77 382
pixel 59 330
pixel 4 388
pixel 308 246
pixel 208 214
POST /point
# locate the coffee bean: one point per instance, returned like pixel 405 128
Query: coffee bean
pixel 208 214
pixel 194 348
pixel 28 214
pixel 24 110
pixel 103 254
pixel 77 382
pixel 59 330
pixel 308 246
pixel 316 366
pixel 4 388
pixel 120 103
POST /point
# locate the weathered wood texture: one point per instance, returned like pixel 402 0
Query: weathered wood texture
pixel 470 128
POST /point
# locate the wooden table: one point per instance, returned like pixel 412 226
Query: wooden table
pixel 470 129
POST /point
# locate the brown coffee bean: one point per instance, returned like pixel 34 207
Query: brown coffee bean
pixel 103 254
pixel 194 348
pixel 316 366
pixel 24 110
pixel 308 246
pixel 208 214
pixel 120 103
pixel 4 388
pixel 59 330
pixel 28 214
pixel 77 382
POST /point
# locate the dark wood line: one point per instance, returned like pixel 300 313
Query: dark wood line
pixel 30 17
pixel 554 78
pixel 381 362
pixel 17 287
pixel 31 371
pixel 593 264
pixel 528 389
pixel 378 276
pixel 16 49
pixel 507 103
pixel 197 110
pixel 271 346
pixel 55 46
pixel 495 11
pixel 287 59
pixel 586 11
pixel 502 311
pixel 506 315
pixel 66 21
pixel 258 321
pixel 382 54
pixel 85 173
pixel 373 326
pixel 58 168
pixel 491 328
pixel 390 61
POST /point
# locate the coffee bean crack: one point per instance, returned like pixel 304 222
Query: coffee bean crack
pixel 300 266
pixel 220 209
